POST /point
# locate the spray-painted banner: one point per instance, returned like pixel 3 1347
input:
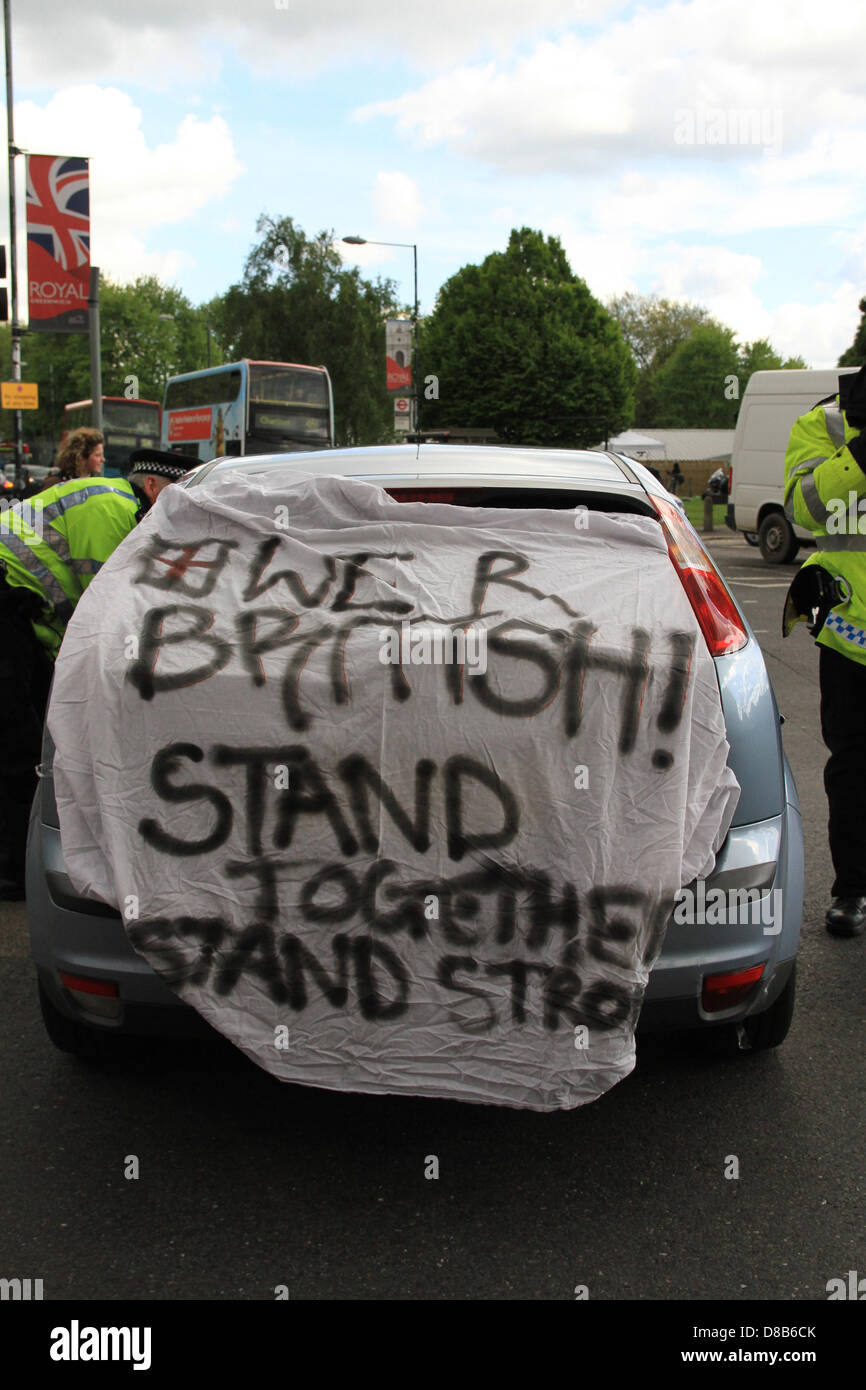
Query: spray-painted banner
pixel 371 869
pixel 58 243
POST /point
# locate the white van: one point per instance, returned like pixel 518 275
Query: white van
pixel 772 401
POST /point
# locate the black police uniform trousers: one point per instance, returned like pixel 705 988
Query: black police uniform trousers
pixel 25 681
pixel 843 727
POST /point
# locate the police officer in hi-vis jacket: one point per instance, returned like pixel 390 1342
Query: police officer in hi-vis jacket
pixel 50 549
pixel 51 546
pixel 825 480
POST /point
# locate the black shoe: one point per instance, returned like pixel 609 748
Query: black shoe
pixel 847 917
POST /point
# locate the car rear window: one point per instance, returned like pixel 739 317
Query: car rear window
pixel 556 499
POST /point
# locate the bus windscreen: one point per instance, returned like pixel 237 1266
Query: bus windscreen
pixel 132 417
pixel 275 384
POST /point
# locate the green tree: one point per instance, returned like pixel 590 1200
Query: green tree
pixel 761 356
pixel 297 302
pixel 147 332
pixel 697 388
pixel 855 355
pixel 520 343
pixel 653 328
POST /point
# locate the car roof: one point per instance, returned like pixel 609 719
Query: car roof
pixel 456 465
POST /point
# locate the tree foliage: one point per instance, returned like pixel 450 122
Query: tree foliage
pixel 517 343
pixel 148 331
pixel 297 302
pixel 691 371
pixel 761 356
pixel 520 344
pixel 855 355
pixel 691 387
pixel 654 329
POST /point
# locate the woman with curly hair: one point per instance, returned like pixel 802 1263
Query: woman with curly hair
pixel 81 454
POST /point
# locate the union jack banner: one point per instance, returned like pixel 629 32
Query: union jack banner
pixel 58 242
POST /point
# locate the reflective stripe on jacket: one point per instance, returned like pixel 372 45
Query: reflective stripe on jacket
pixel 54 543
pixel 823 487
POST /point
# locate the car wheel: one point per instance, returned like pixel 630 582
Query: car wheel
pixel 756 1034
pixel 770 1028
pixel 776 538
pixel 751 537
pixel 68 1035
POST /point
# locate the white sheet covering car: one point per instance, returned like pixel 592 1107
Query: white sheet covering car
pixel 377 868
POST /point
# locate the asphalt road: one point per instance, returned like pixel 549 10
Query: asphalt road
pixel 246 1184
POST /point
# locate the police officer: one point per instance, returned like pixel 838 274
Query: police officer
pixel 825 478
pixel 50 550
pixel 151 470
pixel 51 546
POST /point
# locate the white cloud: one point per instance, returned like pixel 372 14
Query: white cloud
pixel 371 254
pixel 592 99
pixel 608 263
pixel 720 279
pixel 724 282
pixel 549 110
pixel 135 188
pixel 666 201
pixel 852 246
pixel 576 98
pixel 828 328
pixel 165 42
pixel 397 200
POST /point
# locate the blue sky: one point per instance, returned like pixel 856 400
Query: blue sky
pixel 707 150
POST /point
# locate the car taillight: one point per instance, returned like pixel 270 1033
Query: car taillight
pixel 720 992
pixel 85 984
pixel 712 604
pixel 99 997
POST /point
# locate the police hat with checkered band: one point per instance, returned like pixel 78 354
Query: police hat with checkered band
pixel 160 464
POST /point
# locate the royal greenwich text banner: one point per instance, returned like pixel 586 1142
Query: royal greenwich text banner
pixel 398 796
pixel 58 243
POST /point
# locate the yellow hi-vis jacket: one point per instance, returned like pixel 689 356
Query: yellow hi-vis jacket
pixel 54 543
pixel 824 482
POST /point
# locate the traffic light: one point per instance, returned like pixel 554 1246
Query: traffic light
pixel 4 296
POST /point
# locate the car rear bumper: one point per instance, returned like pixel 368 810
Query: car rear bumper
pixel 86 939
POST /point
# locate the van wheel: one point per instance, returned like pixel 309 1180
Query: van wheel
pixel 776 538
pixel 750 537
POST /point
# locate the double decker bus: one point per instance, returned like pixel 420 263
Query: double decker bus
pixel 248 408
pixel 127 424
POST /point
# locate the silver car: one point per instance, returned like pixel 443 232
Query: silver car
pixel 735 976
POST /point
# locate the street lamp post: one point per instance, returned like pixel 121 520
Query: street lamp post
pixel 409 246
